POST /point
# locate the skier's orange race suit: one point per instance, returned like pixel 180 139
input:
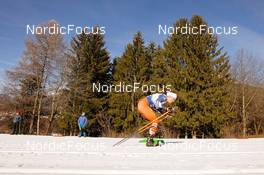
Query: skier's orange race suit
pixel 147 107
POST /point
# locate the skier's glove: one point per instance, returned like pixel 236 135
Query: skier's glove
pixel 170 109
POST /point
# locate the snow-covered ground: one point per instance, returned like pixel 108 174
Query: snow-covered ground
pixel 23 154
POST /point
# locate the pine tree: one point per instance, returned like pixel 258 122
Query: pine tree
pixel 158 67
pixel 89 63
pixel 132 67
pixel 199 72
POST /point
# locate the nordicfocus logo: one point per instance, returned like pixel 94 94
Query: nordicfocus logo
pixel 70 29
pixel 194 30
pixel 122 87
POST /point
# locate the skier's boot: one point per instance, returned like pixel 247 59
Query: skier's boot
pixel 150 142
pixel 152 131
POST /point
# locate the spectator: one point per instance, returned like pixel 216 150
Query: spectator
pixel 16 124
pixel 82 122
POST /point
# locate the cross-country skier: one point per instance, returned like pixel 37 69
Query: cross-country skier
pixel 152 104
pixel 82 122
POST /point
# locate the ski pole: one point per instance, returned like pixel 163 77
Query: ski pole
pixel 138 131
pixel 160 120
pixel 143 128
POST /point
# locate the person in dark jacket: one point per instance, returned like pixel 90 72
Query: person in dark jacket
pixel 82 123
pixel 16 124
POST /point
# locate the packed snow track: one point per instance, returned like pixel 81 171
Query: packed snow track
pixel 22 154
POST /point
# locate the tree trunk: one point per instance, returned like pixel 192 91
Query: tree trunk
pixel 39 110
pixel 33 113
pixel 193 134
pixel 41 81
pixel 257 127
pixel 186 134
pixel 51 115
pixel 244 111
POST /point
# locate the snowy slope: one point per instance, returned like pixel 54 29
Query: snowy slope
pixel 72 155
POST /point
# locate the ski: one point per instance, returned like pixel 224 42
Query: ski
pixel 157 141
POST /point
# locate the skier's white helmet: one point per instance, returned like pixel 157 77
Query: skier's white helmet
pixel 83 113
pixel 171 94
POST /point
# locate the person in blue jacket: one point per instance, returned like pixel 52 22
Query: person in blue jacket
pixel 82 123
pixel 16 123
